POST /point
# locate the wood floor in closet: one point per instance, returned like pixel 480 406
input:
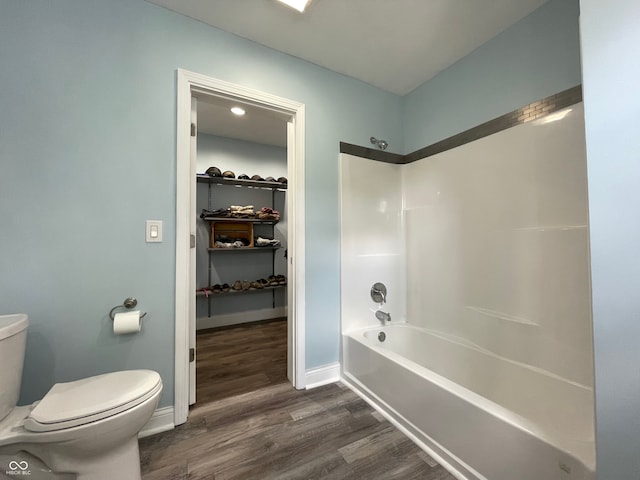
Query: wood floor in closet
pixel 250 423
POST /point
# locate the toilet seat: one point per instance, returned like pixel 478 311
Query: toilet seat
pixel 91 399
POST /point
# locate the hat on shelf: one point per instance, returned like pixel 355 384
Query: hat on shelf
pixel 243 176
pixel 228 174
pixel 257 178
pixel 213 172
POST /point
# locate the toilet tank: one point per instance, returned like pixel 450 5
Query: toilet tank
pixel 13 340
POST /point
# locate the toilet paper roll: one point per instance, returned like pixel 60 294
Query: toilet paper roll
pixel 126 322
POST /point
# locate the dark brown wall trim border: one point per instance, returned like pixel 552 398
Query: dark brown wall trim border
pixel 528 113
pixel 370 153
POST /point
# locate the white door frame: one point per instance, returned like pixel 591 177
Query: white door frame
pixel 188 83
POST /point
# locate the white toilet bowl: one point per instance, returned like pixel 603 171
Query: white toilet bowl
pixel 88 428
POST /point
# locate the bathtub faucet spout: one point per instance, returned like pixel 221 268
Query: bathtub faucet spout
pixel 383 316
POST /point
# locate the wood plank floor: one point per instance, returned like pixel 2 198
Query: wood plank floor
pixel 240 359
pixel 252 424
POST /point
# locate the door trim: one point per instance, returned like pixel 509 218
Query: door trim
pixel 188 83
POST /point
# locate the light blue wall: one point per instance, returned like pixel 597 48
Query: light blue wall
pixel 87 154
pixel 536 57
pixel 87 151
pixel 611 69
pixel 239 156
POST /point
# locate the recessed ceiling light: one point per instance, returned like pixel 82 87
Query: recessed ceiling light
pixel 299 5
pixel 237 111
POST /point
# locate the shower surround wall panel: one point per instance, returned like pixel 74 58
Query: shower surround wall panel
pixel 496 269
pixel 372 245
pixel 498 245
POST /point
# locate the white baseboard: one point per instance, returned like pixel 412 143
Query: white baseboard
pixel 316 377
pixel 214 321
pixel 160 421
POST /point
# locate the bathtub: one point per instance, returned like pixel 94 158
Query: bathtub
pixel 482 416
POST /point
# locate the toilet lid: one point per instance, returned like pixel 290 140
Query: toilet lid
pixel 90 399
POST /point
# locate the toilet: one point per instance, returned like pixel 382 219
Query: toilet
pixel 86 429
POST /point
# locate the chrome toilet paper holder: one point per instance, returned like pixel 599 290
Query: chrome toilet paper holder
pixel 129 303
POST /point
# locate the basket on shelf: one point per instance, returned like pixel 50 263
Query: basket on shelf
pixel 232 230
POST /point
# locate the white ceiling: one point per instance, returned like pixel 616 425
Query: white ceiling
pixel 257 125
pixel 396 45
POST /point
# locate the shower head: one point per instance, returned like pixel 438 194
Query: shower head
pixel 382 144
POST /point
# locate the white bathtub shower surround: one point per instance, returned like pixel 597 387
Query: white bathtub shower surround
pixel 372 245
pixel 445 393
pixel 492 366
pixel 498 246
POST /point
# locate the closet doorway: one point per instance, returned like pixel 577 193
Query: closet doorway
pixel 215 284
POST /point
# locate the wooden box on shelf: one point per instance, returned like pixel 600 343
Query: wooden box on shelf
pixel 232 230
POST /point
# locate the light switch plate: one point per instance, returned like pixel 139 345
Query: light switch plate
pixel 154 231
